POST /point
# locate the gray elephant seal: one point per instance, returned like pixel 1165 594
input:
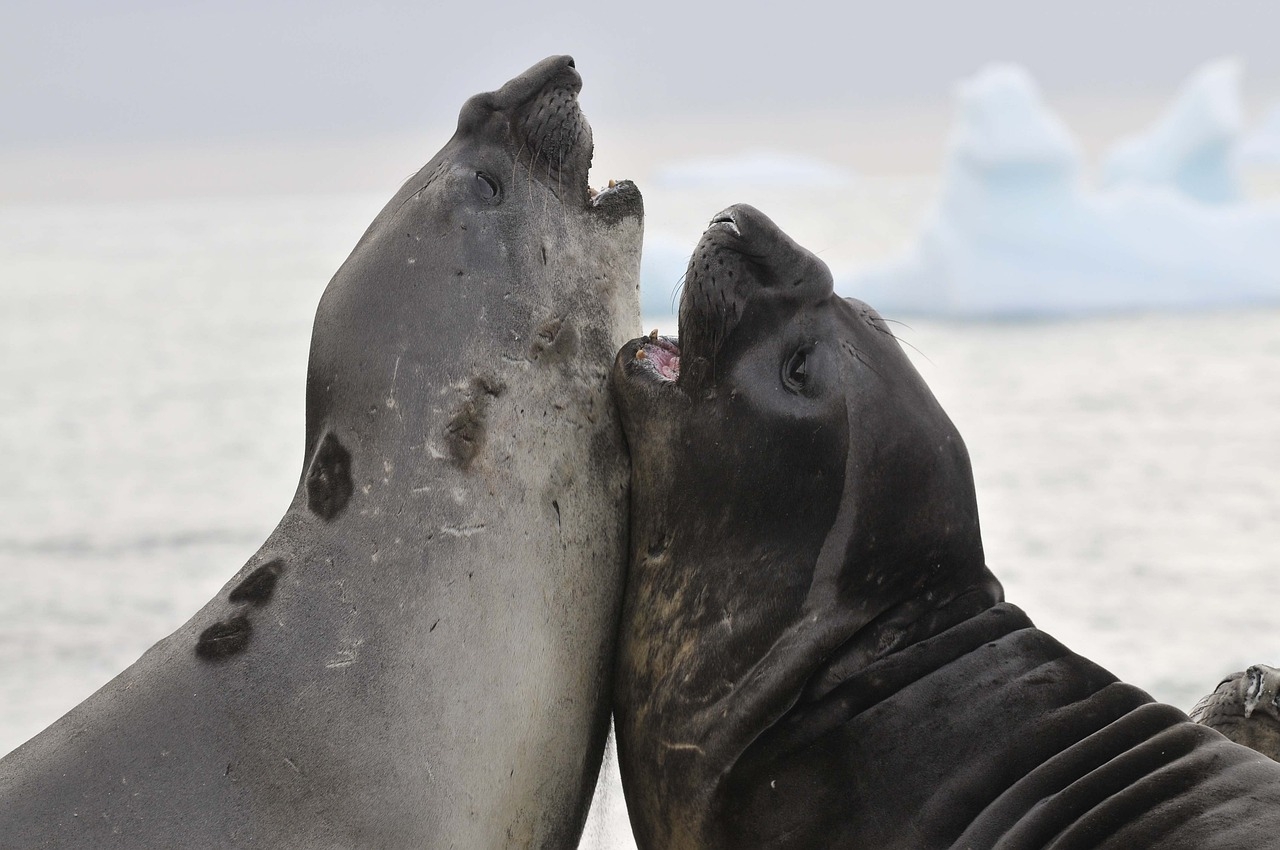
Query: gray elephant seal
pixel 813 652
pixel 419 655
pixel 1246 708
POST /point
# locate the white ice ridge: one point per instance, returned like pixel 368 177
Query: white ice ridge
pixel 1192 145
pixel 1017 233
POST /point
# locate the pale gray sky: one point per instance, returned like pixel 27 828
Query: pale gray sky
pixel 87 74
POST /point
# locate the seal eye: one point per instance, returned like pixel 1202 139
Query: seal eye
pixel 796 373
pixel 486 186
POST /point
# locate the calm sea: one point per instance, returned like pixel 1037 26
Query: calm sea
pixel 152 361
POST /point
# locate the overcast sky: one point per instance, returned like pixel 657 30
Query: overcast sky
pixel 88 71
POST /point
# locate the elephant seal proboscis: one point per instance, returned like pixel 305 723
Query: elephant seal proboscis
pixel 813 652
pixel 419 655
pixel 1246 708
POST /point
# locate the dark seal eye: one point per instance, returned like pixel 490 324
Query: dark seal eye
pixel 486 186
pixel 796 372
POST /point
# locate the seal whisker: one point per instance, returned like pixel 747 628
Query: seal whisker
pixel 515 167
pixel 857 355
pixel 902 341
pixel 564 211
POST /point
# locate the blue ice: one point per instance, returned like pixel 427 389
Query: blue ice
pixel 1018 232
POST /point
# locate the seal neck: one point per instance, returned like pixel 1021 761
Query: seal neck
pixel 905 624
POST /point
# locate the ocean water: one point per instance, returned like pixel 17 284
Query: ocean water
pixel 152 367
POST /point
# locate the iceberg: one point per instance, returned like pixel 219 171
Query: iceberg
pixel 1191 146
pixel 1017 233
pixel 1261 148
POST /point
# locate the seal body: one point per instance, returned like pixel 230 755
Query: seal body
pixel 813 652
pixel 1246 708
pixel 419 654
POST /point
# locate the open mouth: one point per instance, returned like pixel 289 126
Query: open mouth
pixel 596 197
pixel 660 355
pixel 554 138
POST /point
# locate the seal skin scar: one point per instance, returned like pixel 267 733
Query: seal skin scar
pixel 465 432
pixel 257 587
pixel 223 639
pixel 555 341
pixel 329 484
pixel 466 531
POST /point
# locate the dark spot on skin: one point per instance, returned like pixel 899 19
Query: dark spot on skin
pixel 544 255
pixel 465 432
pixel 257 587
pixel 223 639
pixel 555 341
pixel 556 505
pixel 545 336
pixel 433 626
pixel 329 484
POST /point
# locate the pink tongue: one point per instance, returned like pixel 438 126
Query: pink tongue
pixel 666 362
pixel 670 369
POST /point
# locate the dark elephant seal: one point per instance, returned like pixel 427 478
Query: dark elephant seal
pixel 419 655
pixel 813 652
pixel 1246 708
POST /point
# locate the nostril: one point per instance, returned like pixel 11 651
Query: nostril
pixel 571 65
pixel 727 218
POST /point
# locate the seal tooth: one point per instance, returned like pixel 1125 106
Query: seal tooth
pixel 640 355
pixel 613 184
pixel 653 335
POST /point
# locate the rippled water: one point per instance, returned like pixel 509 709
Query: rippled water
pixel 152 361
